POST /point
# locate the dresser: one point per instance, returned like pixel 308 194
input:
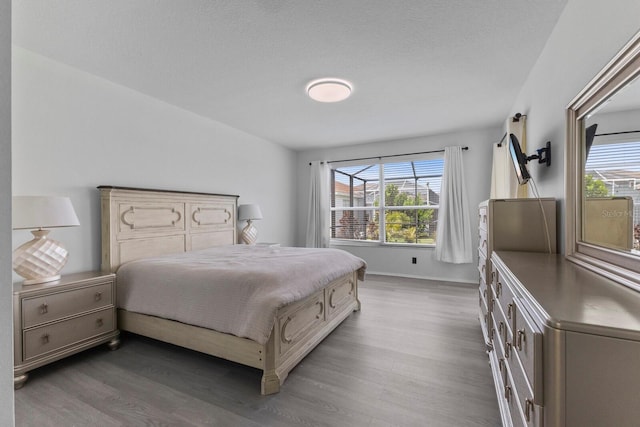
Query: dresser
pixel 512 225
pixel 566 347
pixel 56 319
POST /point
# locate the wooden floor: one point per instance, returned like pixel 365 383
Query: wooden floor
pixel 423 366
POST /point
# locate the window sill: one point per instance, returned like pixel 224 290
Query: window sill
pixel 368 243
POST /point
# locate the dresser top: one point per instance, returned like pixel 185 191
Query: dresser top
pixel 569 297
pixel 74 279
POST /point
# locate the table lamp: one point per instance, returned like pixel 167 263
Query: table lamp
pixel 249 213
pixel 41 259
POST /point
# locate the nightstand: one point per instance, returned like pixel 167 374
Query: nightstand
pixel 57 319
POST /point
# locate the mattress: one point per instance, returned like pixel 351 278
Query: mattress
pixel 235 289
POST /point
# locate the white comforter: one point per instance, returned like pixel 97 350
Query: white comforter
pixel 233 289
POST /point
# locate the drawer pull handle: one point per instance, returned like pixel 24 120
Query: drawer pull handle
pixel 501 364
pixel 98 296
pixel 44 308
pixel 528 409
pixel 499 289
pixel 509 310
pixel 507 350
pixel 331 304
pixel 503 331
pixel 507 392
pixel 521 338
pixel 45 339
pixel 99 323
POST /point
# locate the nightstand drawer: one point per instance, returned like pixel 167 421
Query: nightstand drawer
pixel 47 308
pixel 48 338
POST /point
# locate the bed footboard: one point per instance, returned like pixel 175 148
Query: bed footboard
pixel 298 328
pixel 301 326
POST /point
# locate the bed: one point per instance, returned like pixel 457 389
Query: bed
pixel 142 226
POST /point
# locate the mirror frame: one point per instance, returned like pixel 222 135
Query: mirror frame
pixel 618 265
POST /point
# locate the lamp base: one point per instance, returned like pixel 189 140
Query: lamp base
pixel 40 260
pixel 249 234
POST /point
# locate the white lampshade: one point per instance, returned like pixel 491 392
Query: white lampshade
pixel 41 259
pixel 249 212
pixel 31 212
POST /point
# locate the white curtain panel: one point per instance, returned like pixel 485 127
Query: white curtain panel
pixel 504 184
pixel 453 243
pixel 318 217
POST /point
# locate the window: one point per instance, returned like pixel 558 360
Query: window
pixel 406 212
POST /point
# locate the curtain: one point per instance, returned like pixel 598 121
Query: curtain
pixel 504 183
pixel 453 243
pixel 318 217
pixel 503 179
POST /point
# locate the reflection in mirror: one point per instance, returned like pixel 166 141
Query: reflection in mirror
pixel 611 170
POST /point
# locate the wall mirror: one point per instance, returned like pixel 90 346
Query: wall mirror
pixel 603 170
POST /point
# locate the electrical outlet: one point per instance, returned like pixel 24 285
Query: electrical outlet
pixel 414 260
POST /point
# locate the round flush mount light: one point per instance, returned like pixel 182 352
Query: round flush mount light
pixel 329 90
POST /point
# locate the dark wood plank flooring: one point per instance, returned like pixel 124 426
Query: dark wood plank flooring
pixel 421 364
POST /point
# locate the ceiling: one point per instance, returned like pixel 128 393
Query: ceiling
pixel 418 67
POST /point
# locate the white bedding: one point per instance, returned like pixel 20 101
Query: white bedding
pixel 234 289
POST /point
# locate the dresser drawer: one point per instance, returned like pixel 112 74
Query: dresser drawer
pixel 502 333
pixel 482 265
pixel 42 309
pixel 483 219
pixel 51 337
pixel 483 242
pixel 484 291
pixel 530 412
pixel 485 318
pixel 512 399
pixel 503 297
pixel 527 344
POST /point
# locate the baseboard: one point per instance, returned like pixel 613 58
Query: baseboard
pixel 411 276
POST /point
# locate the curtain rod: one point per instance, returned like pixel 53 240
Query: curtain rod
pixel 502 139
pixel 390 155
pixel 516 118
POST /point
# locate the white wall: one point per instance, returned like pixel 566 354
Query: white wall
pixel 588 34
pixel 73 131
pixel 6 317
pixel 397 260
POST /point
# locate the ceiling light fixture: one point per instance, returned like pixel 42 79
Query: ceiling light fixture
pixel 329 90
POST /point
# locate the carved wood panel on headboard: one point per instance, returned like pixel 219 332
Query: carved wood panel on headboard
pixel 142 223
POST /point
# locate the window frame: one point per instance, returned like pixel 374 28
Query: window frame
pixel 382 207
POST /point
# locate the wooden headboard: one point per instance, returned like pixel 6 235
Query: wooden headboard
pixel 140 223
